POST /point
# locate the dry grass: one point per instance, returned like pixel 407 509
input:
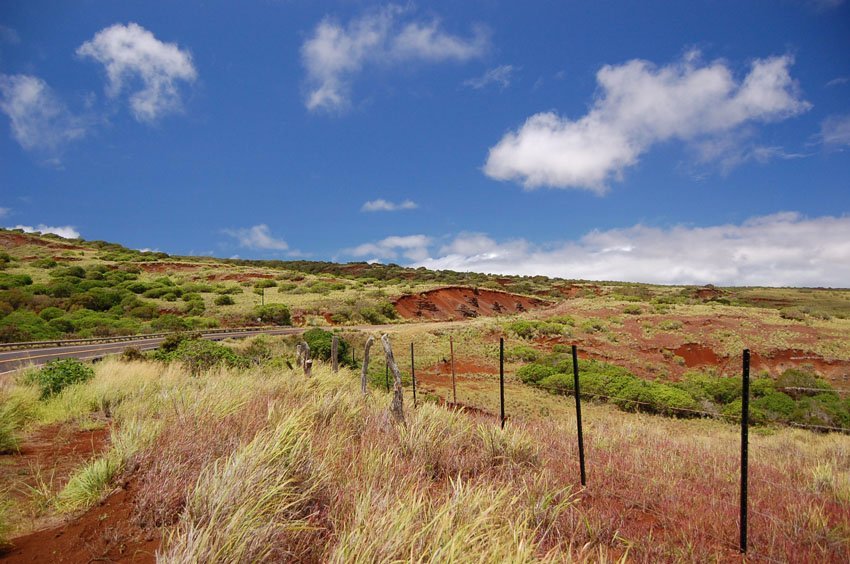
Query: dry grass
pixel 266 465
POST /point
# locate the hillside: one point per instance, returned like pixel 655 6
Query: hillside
pixel 145 454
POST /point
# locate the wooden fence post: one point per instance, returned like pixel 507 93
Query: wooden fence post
pixel 365 367
pixel 397 406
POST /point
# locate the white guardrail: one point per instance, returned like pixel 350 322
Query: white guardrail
pixel 122 338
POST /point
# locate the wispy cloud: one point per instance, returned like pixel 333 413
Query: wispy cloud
pixel 500 76
pixel 384 205
pixel 335 53
pixel 4 212
pixel 639 106
pixel 131 51
pixel 9 35
pixel 39 120
pixel 258 237
pixel 835 131
pixel 66 231
pixel 784 249
pixel 838 81
pixel 412 247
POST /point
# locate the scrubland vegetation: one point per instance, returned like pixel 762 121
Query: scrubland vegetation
pixel 233 456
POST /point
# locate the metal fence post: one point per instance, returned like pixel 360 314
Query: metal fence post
pixel 745 427
pixel 413 374
pixel 578 417
pixel 454 388
pixel 502 381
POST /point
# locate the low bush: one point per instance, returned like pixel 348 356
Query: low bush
pixel 57 375
pixel 277 314
pixel 223 300
pixel 8 281
pixel 320 342
pixel 199 355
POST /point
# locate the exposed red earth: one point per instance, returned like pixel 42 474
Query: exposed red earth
pixel 240 277
pixel 457 303
pixel 105 533
pixel 168 266
pixel 10 240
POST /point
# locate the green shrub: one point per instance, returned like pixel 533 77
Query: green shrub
pixel 223 300
pixel 25 325
pixel 633 310
pixel 169 322
pixel 522 329
pixel 45 263
pixel 534 373
pixel 8 281
pixel 522 352
pixel 559 383
pixel 199 355
pixel 49 313
pixel 277 314
pixel 265 283
pixel 56 375
pixel 320 340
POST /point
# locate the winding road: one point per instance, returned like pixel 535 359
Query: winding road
pixel 14 360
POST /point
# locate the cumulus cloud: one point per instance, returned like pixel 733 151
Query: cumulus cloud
pixel 835 131
pixel 383 205
pixel 500 75
pixel 66 231
pixel 131 53
pixel 335 53
pixel 39 120
pixel 784 249
pixel 257 237
pixel 412 247
pixel 638 106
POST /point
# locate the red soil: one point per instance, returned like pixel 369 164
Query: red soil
pixel 708 292
pixel 105 532
pixel 168 266
pixel 12 240
pixel 697 355
pixel 56 451
pixel 240 277
pixel 457 303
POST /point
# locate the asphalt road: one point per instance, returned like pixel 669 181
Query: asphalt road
pixel 11 361
pixel 14 360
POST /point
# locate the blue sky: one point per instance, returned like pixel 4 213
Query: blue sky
pixel 672 142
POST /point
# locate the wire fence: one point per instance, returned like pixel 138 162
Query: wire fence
pixel 660 485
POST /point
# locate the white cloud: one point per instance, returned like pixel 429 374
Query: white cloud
pixel 4 212
pixel 39 121
pixel 257 237
pixel 383 205
pixel 412 247
pixel 335 53
pixel 838 81
pixel 640 105
pixel 130 51
pixel 66 231
pixel 500 75
pixel 835 131
pixel 774 250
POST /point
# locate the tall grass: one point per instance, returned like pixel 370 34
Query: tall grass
pixel 263 464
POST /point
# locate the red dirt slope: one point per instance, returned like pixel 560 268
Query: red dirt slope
pixel 454 303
